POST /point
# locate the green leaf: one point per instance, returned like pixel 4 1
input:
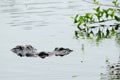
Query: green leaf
pixel 78 24
pixel 117 18
pixel 81 19
pixel 88 15
pixel 91 32
pixel 76 34
pixel 111 12
pixel 117 27
pixel 107 33
pixel 103 35
pixel 81 34
pixel 98 39
pixel 88 35
pixel 79 28
pixel 75 18
pixel 115 2
pixel 112 31
pixel 99 33
pixel 96 2
pixel 84 24
pixel 97 9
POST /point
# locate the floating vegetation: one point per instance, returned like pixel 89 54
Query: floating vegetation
pixel 30 51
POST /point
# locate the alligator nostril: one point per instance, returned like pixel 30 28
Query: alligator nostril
pixel 60 49
pixel 56 49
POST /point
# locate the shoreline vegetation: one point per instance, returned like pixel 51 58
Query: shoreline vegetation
pixel 92 26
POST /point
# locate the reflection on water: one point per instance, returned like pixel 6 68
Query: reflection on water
pixel 5 3
pixel 30 14
pixel 112 71
pixel 117 39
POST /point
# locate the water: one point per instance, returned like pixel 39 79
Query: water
pixel 46 25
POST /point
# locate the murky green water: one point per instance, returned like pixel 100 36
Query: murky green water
pixel 46 24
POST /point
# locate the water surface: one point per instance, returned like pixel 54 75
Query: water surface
pixel 46 25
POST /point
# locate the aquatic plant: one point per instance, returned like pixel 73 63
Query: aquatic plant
pixel 96 2
pixel 115 2
pixel 92 25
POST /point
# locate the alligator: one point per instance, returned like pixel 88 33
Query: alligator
pixel 30 51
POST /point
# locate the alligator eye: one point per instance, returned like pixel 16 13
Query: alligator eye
pixel 60 49
pixel 56 49
pixel 20 55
